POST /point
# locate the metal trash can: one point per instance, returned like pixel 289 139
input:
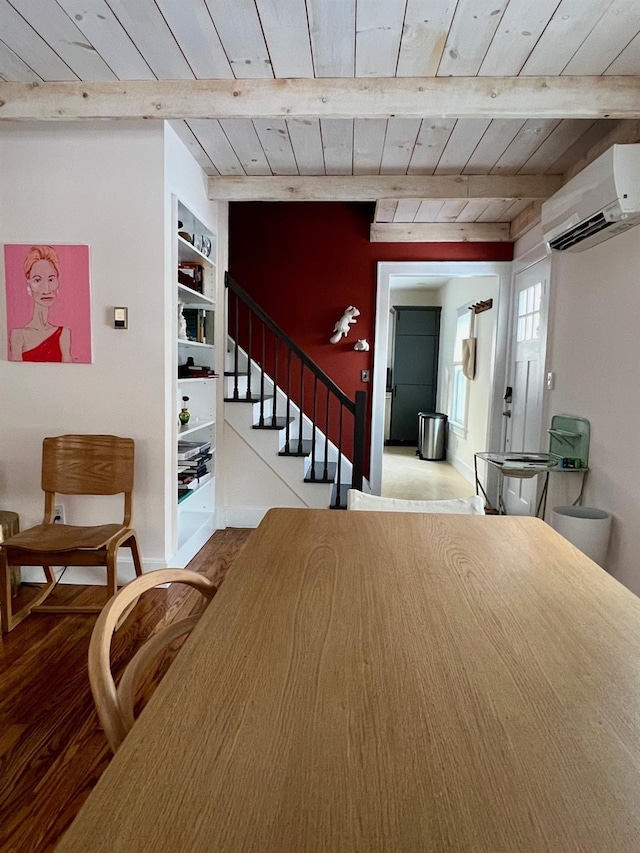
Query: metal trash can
pixel 432 436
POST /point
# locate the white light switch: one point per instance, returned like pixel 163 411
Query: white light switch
pixel 120 318
pixel 551 381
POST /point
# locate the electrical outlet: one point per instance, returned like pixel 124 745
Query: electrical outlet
pixel 58 514
pixel 365 375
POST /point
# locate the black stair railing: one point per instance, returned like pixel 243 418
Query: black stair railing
pixel 249 319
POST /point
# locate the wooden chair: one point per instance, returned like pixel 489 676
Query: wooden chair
pixel 73 465
pixel 115 705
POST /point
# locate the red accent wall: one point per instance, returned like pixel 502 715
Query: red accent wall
pixel 305 262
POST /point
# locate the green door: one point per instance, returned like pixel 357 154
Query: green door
pixel 415 370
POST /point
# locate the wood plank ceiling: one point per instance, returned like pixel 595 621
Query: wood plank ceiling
pixel 108 40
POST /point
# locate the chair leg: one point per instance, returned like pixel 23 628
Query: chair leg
pixel 132 542
pixel 9 618
pixel 112 577
pixel 5 594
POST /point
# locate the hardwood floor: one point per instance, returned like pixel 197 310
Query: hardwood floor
pixel 52 750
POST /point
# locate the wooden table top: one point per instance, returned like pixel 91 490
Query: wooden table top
pixel 390 682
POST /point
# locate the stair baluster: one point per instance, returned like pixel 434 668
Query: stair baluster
pixel 356 408
pixel 336 505
pixel 235 352
pixel 325 472
pixel 301 418
pixel 248 394
pixel 288 417
pixel 313 428
pixel 275 382
pixel 261 421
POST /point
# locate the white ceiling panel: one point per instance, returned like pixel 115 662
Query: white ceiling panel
pixel 554 146
pixel 337 141
pixel 431 141
pixel 64 37
pixel 495 141
pixel 378 34
pixel 520 28
pixel 104 31
pixel 213 139
pixel 461 144
pixel 306 141
pixel 368 145
pixel 525 143
pixel 274 138
pixel 240 31
pixel 197 38
pixel 139 40
pixel 426 24
pixel 246 145
pixel 12 68
pixel 618 26
pixel 286 31
pixel 332 26
pixel 399 144
pixel 30 47
pixel 571 23
pixel 474 25
pixel 150 33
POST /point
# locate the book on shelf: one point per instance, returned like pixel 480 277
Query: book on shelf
pixel 189 449
pixel 191 275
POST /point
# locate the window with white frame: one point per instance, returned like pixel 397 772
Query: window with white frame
pixel 460 383
pixel 529 302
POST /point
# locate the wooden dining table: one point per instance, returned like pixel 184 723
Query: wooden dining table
pixel 396 682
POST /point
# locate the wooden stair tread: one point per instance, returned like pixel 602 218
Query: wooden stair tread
pixel 342 489
pixel 242 399
pixel 295 449
pixel 318 470
pixel 273 423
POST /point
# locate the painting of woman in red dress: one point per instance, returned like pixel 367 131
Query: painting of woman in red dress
pixel 40 327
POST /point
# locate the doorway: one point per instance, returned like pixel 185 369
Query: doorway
pixel 428 279
pixel 523 411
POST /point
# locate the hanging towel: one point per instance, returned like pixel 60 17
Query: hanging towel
pixel 469 350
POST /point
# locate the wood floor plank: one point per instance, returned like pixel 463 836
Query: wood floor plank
pixel 52 750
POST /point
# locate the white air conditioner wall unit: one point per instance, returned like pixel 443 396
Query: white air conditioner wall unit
pixel 599 202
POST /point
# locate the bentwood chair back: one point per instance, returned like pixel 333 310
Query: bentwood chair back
pixel 357 500
pixel 73 465
pixel 115 705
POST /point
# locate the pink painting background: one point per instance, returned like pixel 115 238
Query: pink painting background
pixel 72 307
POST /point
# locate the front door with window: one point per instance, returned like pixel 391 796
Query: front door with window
pixel 526 375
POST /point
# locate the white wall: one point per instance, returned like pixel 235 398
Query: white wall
pixel 455 294
pixel 594 327
pixel 107 185
pixel 101 185
pixel 413 296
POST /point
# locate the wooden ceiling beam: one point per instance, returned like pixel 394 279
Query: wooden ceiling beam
pixel 376 187
pixel 440 232
pixel 366 97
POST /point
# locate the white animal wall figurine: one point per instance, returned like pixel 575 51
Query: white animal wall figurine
pixel 341 328
pixel 362 345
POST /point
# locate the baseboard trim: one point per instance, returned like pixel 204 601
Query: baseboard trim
pixel 462 468
pixel 245 516
pixel 92 575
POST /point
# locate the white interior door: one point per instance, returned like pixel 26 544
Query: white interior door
pixel 526 377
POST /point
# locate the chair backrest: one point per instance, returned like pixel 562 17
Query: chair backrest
pixel 87 465
pixel 115 705
pixel 460 506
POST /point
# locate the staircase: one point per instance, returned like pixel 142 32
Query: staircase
pixel 292 438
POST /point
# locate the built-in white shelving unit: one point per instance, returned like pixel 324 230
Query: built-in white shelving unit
pixel 195 308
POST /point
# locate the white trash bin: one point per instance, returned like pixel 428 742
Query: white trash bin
pixel 585 527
